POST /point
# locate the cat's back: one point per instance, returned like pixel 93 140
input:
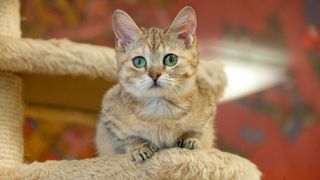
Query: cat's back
pixel 205 90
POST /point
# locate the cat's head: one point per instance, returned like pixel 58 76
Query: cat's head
pixel 156 62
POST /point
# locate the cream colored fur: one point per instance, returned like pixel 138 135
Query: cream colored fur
pixel 139 119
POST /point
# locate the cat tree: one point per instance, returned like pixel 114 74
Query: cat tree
pixel 22 57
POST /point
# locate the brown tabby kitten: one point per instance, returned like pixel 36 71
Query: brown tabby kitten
pixel 161 101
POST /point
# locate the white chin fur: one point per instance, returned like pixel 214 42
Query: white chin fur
pixel 146 92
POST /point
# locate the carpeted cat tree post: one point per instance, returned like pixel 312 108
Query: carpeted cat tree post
pixel 11 113
pixel 21 57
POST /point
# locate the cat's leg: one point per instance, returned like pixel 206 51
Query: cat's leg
pixel 106 142
pixel 189 140
pixel 111 139
pixel 197 139
pixel 139 149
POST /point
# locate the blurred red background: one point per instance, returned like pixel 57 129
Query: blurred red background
pixel 277 128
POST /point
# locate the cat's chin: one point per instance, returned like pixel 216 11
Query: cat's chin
pixel 152 91
pixel 155 91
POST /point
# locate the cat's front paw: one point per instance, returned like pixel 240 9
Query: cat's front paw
pixel 142 152
pixel 189 143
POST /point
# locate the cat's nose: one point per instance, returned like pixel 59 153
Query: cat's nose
pixel 154 76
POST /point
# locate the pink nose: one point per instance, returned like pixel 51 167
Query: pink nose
pixel 154 76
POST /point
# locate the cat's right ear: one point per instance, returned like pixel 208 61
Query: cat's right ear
pixel 125 29
pixel 184 25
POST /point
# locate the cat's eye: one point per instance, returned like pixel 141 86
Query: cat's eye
pixel 139 62
pixel 170 60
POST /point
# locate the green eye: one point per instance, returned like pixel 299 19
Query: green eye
pixel 139 62
pixel 170 59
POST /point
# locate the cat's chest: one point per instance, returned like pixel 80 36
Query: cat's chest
pixel 163 134
pixel 158 120
pixel 160 108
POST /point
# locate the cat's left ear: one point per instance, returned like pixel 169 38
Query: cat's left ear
pixel 184 25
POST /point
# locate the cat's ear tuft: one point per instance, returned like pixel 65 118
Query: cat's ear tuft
pixel 184 25
pixel 125 29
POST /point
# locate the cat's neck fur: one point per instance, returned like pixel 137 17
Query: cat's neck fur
pixel 161 107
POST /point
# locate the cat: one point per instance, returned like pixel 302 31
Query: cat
pixel 161 100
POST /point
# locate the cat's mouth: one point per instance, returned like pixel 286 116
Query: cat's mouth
pixel 155 86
